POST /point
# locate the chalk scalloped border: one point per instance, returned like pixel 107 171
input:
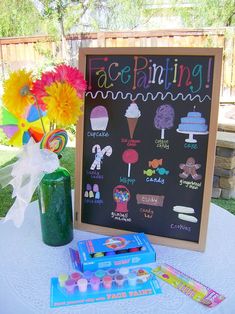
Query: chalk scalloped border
pixel 146 97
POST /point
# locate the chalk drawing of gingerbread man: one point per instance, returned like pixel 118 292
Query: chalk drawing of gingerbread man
pixel 190 169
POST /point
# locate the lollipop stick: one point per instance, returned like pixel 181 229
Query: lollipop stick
pixel 129 170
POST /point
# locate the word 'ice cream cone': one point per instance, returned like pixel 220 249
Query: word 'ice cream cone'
pixel 132 114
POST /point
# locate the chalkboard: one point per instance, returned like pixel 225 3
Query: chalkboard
pixel 146 144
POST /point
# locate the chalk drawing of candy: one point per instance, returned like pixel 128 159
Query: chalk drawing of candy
pixel 155 163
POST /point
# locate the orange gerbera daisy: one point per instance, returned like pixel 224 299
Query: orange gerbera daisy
pixel 16 92
pixel 62 104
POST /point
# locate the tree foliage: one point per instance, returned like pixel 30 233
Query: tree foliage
pixel 92 15
pixel 120 14
pixel 206 13
pixel 88 15
pixel 60 17
pixel 18 18
pixel 64 14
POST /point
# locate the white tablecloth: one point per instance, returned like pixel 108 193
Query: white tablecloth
pixel 26 266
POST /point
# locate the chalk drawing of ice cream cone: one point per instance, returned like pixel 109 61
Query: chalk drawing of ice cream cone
pixel 132 114
pixel 121 196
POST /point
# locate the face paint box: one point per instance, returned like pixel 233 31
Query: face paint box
pixel 111 252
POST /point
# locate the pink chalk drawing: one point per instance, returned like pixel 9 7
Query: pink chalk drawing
pixel 130 156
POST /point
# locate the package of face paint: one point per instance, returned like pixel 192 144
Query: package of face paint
pixel 116 251
pixel 102 285
pixel 189 286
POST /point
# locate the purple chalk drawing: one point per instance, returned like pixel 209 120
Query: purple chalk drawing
pixel 164 118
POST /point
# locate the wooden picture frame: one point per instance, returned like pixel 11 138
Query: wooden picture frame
pixel 205 66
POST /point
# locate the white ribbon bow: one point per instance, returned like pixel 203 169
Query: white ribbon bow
pixel 25 175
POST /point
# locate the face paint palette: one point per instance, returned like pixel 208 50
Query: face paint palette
pixel 103 285
pixel 116 251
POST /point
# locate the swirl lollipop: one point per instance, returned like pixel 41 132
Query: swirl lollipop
pixel 55 140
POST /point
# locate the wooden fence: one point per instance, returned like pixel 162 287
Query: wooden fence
pixel 34 52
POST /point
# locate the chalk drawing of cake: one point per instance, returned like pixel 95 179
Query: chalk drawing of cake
pixel 193 124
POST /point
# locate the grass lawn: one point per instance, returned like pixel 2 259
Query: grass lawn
pixel 7 156
pixel 227 204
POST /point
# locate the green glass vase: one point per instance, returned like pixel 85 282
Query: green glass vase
pixel 55 206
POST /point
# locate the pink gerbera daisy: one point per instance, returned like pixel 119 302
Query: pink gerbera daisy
pixel 39 87
pixel 66 73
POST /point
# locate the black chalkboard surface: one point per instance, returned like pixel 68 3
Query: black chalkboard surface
pixel 146 144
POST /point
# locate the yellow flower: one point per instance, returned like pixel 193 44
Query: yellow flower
pixel 16 92
pixel 62 103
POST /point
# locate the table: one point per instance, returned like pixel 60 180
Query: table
pixel 26 266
